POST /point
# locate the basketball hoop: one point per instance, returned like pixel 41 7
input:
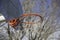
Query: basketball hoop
pixel 22 17
pixel 32 15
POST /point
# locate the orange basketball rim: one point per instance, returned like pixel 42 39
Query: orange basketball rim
pixel 16 21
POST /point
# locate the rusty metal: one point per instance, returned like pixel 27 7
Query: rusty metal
pixel 16 21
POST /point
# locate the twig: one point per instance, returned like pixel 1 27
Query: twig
pixel 10 38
